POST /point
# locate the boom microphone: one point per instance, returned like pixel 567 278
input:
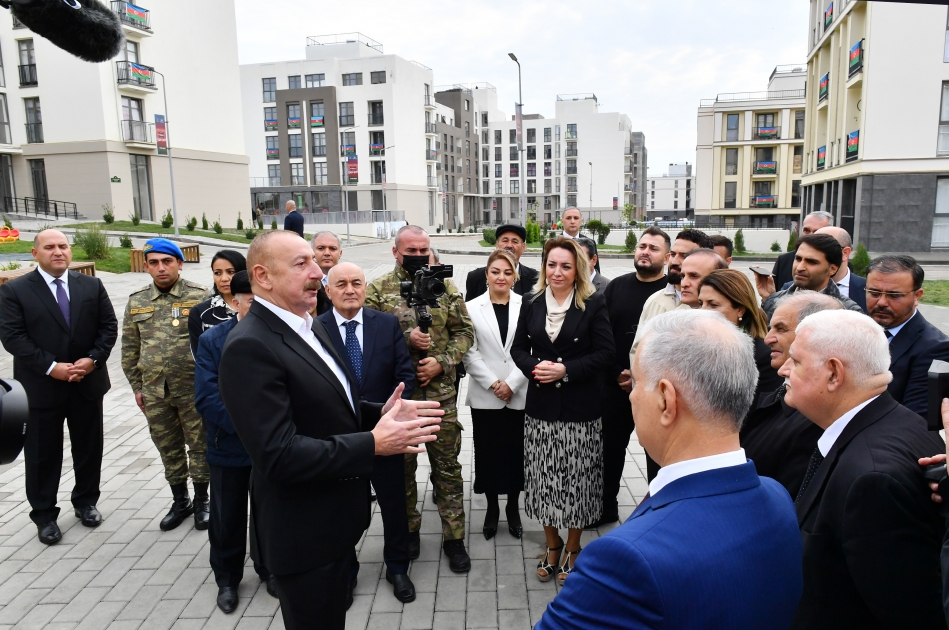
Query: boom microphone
pixel 84 28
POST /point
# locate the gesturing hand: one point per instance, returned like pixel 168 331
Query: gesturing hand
pixel 406 425
pixel 625 381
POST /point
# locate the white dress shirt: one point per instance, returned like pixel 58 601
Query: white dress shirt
pixel 593 275
pixel 342 321
pixel 672 472
pixel 896 329
pixel 304 327
pixel 325 279
pixel 49 280
pixel 831 433
pixel 844 286
pixel 573 237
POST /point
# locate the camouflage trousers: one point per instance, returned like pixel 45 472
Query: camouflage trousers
pixel 446 471
pixel 173 423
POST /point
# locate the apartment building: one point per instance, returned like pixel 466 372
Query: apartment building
pixel 670 197
pixel 582 157
pixel 75 136
pixel 877 141
pixel 343 128
pixel 750 153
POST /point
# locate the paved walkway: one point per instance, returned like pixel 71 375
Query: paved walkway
pixel 128 574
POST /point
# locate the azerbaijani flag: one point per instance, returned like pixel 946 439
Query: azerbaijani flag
pixel 855 54
pixel 377 147
pixel 829 15
pixel 293 123
pixel 767 132
pixel 767 200
pixel 141 73
pixel 136 14
pixel 821 156
pixel 853 143
pixel 766 167
pixel 316 121
pixel 349 149
pixel 270 125
pixel 273 152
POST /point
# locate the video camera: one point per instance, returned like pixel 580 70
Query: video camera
pixel 14 413
pixel 423 291
pixel 937 389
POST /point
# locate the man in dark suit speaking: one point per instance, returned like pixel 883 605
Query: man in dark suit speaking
pixel 60 327
pixel 300 418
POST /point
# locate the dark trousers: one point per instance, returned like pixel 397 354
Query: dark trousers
pixel 228 528
pixel 618 425
pixel 43 455
pixel 388 478
pixel 315 599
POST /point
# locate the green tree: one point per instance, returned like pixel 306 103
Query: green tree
pixel 240 222
pixel 273 224
pixel 602 233
pixel 629 212
pixel 861 260
pixel 775 246
pixel 740 241
pixel 204 221
pixel 792 241
pixel 631 239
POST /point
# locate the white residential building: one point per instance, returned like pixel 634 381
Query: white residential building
pixel 877 141
pixel 670 197
pixel 83 134
pixel 749 154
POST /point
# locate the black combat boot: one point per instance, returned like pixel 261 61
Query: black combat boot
pixel 202 506
pixel 180 509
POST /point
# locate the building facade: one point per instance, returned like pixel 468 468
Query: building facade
pixel 877 141
pixel 670 197
pixel 77 136
pixel 750 154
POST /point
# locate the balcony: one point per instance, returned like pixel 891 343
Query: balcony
pixel 28 75
pixel 763 201
pixel 377 149
pixel 855 62
pixel 133 16
pixel 375 120
pixel 6 137
pixel 765 168
pixel 135 76
pixel 571 170
pixel 347 121
pixel 432 182
pixel 136 132
pixel 17 23
pixel 765 133
pixel 429 101
pixel 34 132
pixel 571 188
pixel 264 182
pixel 430 128
pixel 347 149
pixel 571 153
pixel 319 151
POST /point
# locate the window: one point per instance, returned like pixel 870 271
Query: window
pixel 497 154
pixel 557 185
pixel 297 178
pixel 133 127
pixel 675 194
pixel 316 114
pixel 547 186
pixel 273 148
pixel 731 189
pixel 315 80
pixel 556 150
pixel 375 113
pixel 796 193
pixel 798 158
pixel 515 170
pixel 467 128
pixel 531 136
pixel 557 168
pixel 571 167
pixel 129 53
pixel 547 152
pixel 731 163
pixel 571 200
pixel 943 143
pixel 940 237
pixel 34 120
pixel 532 186
pixel 652 194
pixel 799 124
pixel 467 167
pixel 5 138
pixel 531 169
pixel 571 184
pixel 346 115
pixel 485 154
pixel 485 170
pixel 347 142
pixel 515 187
pixel 498 170
pixel 270 90
pixel 497 136
pixel 731 131
pixel 293 115
pixel 319 144
pixel 557 133
pixel 546 134
pixel 467 147
pixel 513 136
pixel 547 169
pixel 484 122
pixel 320 174
pixel 675 205
pixel 531 153
pixel 270 119
pixel 377 77
pixel 294 83
pixel 273 174
pixel 3 83
pixel 653 182
pixel 765 120
pixel 141 185
pixel 296 145
pixel 513 156
pixel 467 105
pixel 498 187
pixel 571 132
pixel 354 78
pixel 764 154
pixel 571 149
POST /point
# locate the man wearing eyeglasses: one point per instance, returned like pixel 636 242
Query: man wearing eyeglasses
pixel 894 286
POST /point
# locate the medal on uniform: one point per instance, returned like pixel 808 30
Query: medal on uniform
pixel 174 314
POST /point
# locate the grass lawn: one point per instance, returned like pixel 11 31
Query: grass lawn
pixel 233 235
pixel 935 292
pixel 117 262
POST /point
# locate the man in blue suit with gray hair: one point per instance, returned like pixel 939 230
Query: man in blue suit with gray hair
pixel 712 545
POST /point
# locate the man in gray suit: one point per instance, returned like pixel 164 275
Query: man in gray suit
pixel 598 279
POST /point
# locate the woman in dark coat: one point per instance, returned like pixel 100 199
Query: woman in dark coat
pixel 563 345
pixel 216 309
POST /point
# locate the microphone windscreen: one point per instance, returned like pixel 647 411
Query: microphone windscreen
pixel 92 32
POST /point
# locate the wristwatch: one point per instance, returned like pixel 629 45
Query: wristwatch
pixel 95 364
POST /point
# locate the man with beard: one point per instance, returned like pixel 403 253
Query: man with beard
pixel 894 286
pixel 625 297
pixel 511 238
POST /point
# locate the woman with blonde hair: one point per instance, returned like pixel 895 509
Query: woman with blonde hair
pixel 730 292
pixel 563 345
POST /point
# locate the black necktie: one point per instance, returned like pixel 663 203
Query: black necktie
pixel 812 466
pixel 888 334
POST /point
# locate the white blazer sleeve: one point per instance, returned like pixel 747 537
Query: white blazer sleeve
pixel 474 362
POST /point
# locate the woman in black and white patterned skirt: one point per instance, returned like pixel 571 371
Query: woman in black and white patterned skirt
pixel 563 345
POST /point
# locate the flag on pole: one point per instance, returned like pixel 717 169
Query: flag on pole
pixel 142 74
pixel 136 14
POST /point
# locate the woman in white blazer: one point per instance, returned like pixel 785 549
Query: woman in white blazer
pixel 497 391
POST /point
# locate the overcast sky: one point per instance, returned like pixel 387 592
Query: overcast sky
pixel 652 61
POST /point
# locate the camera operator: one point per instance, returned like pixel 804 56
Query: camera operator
pixel 435 355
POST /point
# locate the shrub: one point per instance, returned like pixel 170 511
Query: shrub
pixel 775 246
pixel 631 241
pixel 107 214
pixel 533 232
pixel 260 222
pixel 10 266
pixel 792 241
pixel 273 224
pixel 94 241
pixel 250 234
pixel 217 227
pixel 740 242
pixel 167 220
pixel 438 230
pixel 191 224
pixel 125 241
pixel 135 219
pixel 204 221
pixel 240 223
pixel 490 237
pixel 603 232
pixel 861 260
pixel 7 222
pixel 594 226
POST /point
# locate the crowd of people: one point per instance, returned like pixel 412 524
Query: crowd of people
pixel 782 419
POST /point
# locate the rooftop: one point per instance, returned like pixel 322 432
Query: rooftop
pixel 343 38
pixel 751 96
pixel 577 97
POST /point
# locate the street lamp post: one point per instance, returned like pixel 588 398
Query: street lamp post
pixel 522 198
pixel 591 191
pixel 171 169
pixel 384 211
pixel 346 184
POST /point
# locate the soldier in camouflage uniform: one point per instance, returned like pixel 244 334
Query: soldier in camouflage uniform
pixel 157 360
pixel 435 357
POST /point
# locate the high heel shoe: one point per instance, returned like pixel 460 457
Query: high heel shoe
pixel 513 520
pixel 491 518
pixel 550 569
pixel 565 569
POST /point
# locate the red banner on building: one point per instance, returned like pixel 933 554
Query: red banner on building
pixel 161 134
pixel 352 168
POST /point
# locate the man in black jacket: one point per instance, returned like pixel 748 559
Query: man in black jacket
pixel 871 536
pixel 783 267
pixel 293 222
pixel 60 327
pixel 512 238
pixel 300 419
